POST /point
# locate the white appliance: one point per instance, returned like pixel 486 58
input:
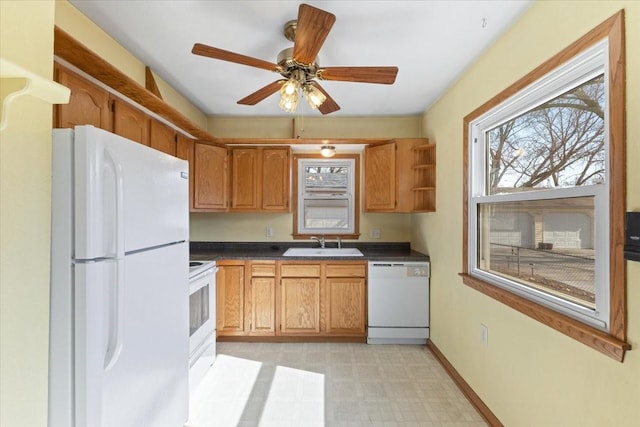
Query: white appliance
pixel 398 302
pixel 119 342
pixel 202 319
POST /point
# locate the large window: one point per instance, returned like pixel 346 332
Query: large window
pixel 326 191
pixel 545 192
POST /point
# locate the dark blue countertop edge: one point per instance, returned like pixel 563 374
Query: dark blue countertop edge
pixel 388 251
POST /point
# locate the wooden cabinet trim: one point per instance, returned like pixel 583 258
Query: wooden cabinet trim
pixel 75 53
pixel 300 270
pixel 346 270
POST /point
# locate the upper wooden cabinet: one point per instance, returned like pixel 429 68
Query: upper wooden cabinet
pixel 185 150
pixel 130 122
pixel 244 179
pixel 400 176
pixel 380 177
pixel 276 179
pixel 162 137
pixel 260 179
pixel 88 105
pixel 210 177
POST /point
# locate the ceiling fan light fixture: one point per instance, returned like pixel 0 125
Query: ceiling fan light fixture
pixel 290 88
pixel 328 151
pixel 314 96
pixel 289 95
pixel 289 103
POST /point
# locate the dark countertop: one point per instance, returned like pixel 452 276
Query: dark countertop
pixel 202 251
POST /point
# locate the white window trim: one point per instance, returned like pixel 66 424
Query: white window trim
pixel 578 70
pixel 349 195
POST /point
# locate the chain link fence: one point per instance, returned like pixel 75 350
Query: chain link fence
pixel 569 272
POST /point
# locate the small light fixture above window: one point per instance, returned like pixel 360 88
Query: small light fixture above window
pixel 328 151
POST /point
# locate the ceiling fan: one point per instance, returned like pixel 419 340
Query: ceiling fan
pixel 299 67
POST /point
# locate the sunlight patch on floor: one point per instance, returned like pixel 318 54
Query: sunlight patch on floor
pixel 221 397
pixel 295 398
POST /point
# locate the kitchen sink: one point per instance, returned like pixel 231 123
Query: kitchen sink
pixel 322 252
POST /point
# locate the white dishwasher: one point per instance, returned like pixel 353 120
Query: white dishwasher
pixel 398 302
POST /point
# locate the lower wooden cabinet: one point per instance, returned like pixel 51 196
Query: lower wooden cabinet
pixel 346 305
pixel 261 297
pixel 296 299
pixel 230 304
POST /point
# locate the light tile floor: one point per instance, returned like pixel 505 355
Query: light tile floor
pixel 325 384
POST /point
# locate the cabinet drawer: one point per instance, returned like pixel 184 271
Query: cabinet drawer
pixel 263 270
pixel 300 270
pixel 346 270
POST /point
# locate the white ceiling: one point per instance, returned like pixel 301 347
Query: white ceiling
pixel 431 42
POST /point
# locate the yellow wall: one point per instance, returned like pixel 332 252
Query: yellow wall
pixel 529 374
pixel 70 20
pixel 26 38
pixel 316 127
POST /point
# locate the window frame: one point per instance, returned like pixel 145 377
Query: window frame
pixel 354 199
pixel 611 342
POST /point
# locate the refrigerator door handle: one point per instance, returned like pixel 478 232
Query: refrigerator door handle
pixel 116 297
pixel 115 324
pixel 119 196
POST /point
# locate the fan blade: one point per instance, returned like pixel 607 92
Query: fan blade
pixel 312 29
pixel 382 75
pixel 329 105
pixel 261 94
pixel 225 55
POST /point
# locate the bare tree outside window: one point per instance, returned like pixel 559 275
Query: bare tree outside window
pixel 550 243
pixel 557 144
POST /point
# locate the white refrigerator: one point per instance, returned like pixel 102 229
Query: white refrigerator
pixel 119 327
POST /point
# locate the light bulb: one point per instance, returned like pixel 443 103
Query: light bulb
pixel 314 96
pixel 328 151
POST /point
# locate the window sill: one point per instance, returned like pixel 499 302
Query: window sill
pixel 598 340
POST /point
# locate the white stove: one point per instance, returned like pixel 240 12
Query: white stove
pixel 202 319
pixel 196 267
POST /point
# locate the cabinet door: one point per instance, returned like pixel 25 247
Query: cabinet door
pixel 210 178
pixel 244 179
pixel 162 137
pixel 130 122
pixel 346 311
pixel 88 104
pixel 185 151
pixel 380 178
pixel 263 299
pixel 275 179
pixel 300 306
pixel 230 300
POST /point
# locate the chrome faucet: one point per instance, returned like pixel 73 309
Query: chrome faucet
pixel 320 240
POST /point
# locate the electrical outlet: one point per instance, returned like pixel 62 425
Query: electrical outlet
pixel 268 231
pixel 374 233
pixel 484 334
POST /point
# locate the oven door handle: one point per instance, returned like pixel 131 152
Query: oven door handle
pixel 203 273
